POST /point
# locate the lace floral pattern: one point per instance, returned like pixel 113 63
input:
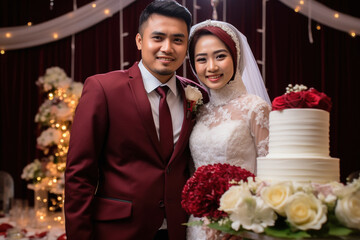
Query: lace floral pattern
pixel 235 133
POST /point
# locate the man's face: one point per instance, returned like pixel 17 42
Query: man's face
pixel 163 45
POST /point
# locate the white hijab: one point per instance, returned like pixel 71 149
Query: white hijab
pixel 247 76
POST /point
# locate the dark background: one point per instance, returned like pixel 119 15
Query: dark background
pixel 331 65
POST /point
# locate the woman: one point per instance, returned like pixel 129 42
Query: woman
pixel 233 127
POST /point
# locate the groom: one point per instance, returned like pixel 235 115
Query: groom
pixel 123 179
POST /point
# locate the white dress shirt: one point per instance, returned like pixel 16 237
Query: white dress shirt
pixel 173 99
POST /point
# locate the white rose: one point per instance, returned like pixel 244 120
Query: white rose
pixel 277 194
pixel 63 112
pixel 64 83
pixel 246 210
pixel 193 94
pixel 48 137
pixel 30 169
pixel 229 199
pixel 76 89
pixel 348 210
pixel 304 211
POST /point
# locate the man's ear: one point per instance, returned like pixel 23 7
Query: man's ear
pixel 138 41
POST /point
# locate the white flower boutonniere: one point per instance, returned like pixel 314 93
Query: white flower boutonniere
pixel 194 99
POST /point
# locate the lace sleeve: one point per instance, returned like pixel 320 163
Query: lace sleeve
pixel 259 123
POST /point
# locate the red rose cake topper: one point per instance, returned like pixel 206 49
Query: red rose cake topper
pixel 299 97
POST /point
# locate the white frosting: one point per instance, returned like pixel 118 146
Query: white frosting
pixel 299 148
pixel 299 132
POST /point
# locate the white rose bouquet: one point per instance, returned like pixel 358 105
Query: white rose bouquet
pixel 290 210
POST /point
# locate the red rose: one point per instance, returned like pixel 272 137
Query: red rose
pixel 318 100
pixel 202 192
pixel 295 99
pixel 4 227
pixel 278 103
pixel 303 99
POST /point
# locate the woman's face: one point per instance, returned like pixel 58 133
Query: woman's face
pixel 213 62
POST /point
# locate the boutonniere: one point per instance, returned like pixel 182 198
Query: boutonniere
pixel 194 99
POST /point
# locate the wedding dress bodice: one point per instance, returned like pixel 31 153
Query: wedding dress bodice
pixel 232 128
pixel 227 133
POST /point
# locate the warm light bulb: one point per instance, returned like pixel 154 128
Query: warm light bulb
pixel 57 125
pixel 318 27
pixel 2 51
pixel 29 24
pixel 64 135
pixel 353 34
pixel 297 9
pixel 55 35
pixel 302 2
pixel 8 35
pixel 107 11
pixel 63 127
pixel 94 5
pixel 336 15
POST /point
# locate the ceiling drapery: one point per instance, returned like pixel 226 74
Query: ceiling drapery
pixel 87 16
pixel 61 27
pixel 326 15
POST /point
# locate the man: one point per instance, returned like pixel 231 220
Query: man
pixel 121 180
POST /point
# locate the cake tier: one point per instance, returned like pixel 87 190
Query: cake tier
pixel 299 132
pixel 315 169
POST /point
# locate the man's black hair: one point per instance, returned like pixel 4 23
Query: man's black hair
pixel 169 8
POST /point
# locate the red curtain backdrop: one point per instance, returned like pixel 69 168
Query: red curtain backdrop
pixel 331 64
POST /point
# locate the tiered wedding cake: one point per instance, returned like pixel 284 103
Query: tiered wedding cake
pixel 299 139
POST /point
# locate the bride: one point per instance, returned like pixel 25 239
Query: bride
pixel 233 127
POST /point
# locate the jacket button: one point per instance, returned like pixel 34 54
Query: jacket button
pixel 161 204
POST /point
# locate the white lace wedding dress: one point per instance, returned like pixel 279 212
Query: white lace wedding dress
pixel 232 128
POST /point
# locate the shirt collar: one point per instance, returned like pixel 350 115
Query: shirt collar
pixel 151 82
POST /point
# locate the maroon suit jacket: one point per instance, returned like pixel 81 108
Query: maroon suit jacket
pixel 116 184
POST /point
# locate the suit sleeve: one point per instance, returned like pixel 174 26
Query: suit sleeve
pixel 87 139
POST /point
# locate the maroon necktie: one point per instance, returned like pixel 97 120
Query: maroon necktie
pixel 165 125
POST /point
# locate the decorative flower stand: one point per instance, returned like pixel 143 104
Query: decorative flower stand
pixel 48 207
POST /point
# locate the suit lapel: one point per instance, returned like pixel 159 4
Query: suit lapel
pixel 143 105
pixel 186 126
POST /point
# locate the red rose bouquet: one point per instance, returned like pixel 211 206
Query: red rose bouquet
pixel 202 192
pixel 300 97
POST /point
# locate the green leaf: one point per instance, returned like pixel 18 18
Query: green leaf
pixel 285 233
pixel 226 227
pixel 192 224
